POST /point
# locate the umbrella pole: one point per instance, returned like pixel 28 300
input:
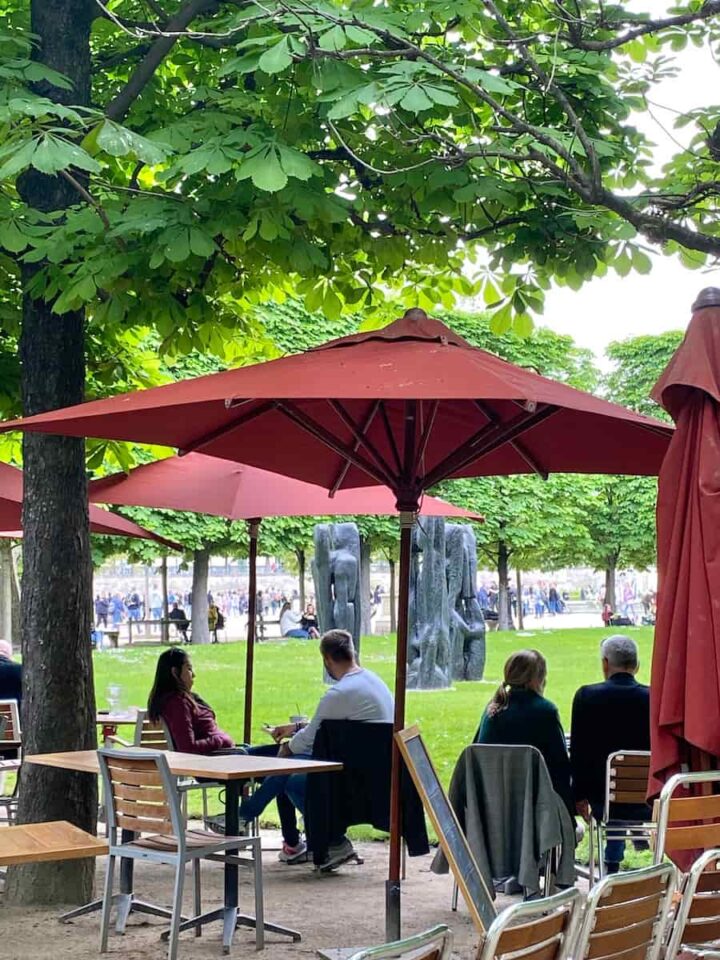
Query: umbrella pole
pixel 392 884
pixel 165 626
pixel 253 530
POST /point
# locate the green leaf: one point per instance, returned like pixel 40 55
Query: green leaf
pixel 523 324
pixel 11 238
pixel 201 243
pixel 119 141
pixel 265 170
pixel 18 160
pixel 416 100
pixel 277 58
pixel 333 39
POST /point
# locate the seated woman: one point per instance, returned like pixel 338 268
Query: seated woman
pixel 192 726
pixel 290 623
pixel 519 714
pixel 308 621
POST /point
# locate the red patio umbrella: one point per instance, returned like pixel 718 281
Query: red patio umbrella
pixel 685 687
pixel 101 521
pixel 406 406
pixel 206 484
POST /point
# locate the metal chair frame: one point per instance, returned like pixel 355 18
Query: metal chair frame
pixel 665 872
pixel 433 944
pixel 130 848
pixel 527 913
pixel 599 832
pixel 667 795
pixel 694 901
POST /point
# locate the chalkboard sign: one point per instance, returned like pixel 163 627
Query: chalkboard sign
pixel 450 834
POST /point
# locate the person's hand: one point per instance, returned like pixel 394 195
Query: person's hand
pixel 282 732
pixel 583 809
pixel 284 750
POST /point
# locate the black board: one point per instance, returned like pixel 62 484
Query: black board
pixel 452 839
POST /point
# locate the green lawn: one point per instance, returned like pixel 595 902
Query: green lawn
pixel 288 680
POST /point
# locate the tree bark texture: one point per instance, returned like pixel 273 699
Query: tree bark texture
pixel 58 710
pixel 201 565
pixel 365 602
pixel 7 578
pixel 505 619
pixel 393 605
pixel 520 615
pixel 302 563
pixel 610 596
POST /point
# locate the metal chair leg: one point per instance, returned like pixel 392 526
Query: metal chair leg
pixel 177 910
pixel 197 894
pixel 454 902
pixel 259 897
pixel 107 905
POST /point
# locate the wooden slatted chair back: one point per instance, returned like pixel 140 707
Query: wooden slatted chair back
pixel 10 729
pixel 626 914
pixel 627 778
pixel 433 944
pixel 537 930
pixel 148 734
pixel 140 793
pixel 688 814
pixel 696 926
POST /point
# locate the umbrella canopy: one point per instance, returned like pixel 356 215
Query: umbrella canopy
pixel 101 521
pixel 685 687
pixel 206 484
pixel 405 407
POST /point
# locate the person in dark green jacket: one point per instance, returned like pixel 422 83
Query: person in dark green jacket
pixel 519 714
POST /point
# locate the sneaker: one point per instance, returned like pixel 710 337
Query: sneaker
pixel 338 854
pixel 297 854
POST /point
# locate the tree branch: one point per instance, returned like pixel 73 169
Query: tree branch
pixel 87 197
pixel 706 12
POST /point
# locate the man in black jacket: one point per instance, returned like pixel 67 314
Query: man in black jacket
pixel 607 717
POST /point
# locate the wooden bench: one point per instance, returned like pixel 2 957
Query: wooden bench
pixel 39 842
pixel 263 633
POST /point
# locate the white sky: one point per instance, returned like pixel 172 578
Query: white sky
pixel 612 307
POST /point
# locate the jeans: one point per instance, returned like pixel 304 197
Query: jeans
pixel 626 814
pixel 287 789
pixel 298 634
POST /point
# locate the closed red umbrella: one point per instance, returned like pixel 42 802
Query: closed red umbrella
pixel 685 686
pixel 209 485
pixel 101 521
pixel 406 406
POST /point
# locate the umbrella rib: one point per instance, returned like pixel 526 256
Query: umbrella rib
pixel 208 438
pixel 425 436
pixel 360 436
pixel 519 448
pixel 320 433
pixel 346 466
pixel 489 438
pixel 390 436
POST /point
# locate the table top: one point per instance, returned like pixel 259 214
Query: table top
pixel 116 719
pixel 226 767
pixel 58 840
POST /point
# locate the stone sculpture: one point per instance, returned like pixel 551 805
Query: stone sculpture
pixel 429 656
pixel 467 624
pixel 446 639
pixel 336 574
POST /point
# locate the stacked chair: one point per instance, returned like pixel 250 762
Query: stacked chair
pixel 11 736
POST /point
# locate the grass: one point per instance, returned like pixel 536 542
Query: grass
pixel 288 680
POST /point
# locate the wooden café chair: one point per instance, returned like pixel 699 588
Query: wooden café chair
pixel 626 914
pixel 688 814
pixel 626 778
pixel 146 823
pixel 535 930
pixel 695 927
pixel 433 944
pixel 11 736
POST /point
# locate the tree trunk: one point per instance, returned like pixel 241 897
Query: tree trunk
pixel 7 575
pixel 505 620
pixel 365 603
pixel 518 587
pixel 200 629
pixel 610 570
pixel 165 631
pixel 15 587
pixel 300 554
pixel 393 615
pixel 58 709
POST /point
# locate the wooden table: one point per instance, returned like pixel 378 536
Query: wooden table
pixel 58 840
pixel 111 721
pixel 230 769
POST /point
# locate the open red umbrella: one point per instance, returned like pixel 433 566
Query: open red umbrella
pixel 209 485
pixel 685 687
pixel 101 521
pixel 406 406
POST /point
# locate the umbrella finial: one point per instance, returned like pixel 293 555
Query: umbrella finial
pixel 709 297
pixel 415 314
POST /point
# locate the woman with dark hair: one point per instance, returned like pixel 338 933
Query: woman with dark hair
pixel 193 729
pixel 519 714
pixel 189 719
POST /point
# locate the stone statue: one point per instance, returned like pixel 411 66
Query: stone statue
pixel 429 660
pixel 336 574
pixel 467 624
